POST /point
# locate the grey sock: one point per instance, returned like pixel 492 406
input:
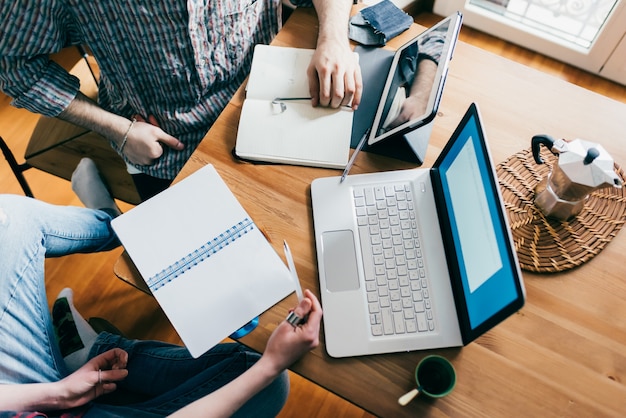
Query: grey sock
pixel 91 189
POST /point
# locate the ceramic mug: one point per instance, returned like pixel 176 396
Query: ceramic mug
pixel 435 377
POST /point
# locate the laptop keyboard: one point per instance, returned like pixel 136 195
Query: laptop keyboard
pixel 395 277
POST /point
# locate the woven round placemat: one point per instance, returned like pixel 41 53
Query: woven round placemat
pixel 545 245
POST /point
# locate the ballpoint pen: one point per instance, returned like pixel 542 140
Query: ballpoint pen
pixel 292 317
pixel 358 148
pixel 292 270
pixel 278 101
pixel 283 107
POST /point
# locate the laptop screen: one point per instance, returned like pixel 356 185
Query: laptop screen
pixel 479 250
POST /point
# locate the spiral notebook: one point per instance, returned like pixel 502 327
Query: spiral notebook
pixel 203 258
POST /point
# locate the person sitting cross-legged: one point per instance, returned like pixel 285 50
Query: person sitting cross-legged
pixel 88 374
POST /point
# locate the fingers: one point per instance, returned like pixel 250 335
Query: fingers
pixel 309 310
pixel 108 368
pixel 104 381
pixel 109 376
pixel 153 120
pixel 358 88
pixel 332 88
pixel 115 358
pixel 147 141
pixel 171 142
pixel 336 89
pixel 315 310
pixel 335 77
pixel 162 137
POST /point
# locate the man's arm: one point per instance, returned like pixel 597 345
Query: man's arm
pixel 144 144
pixel 334 72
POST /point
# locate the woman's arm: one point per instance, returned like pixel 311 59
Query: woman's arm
pixel 97 377
pixel 285 346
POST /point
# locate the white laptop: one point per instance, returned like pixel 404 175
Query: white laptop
pixel 416 259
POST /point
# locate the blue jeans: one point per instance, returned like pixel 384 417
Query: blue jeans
pixel 162 377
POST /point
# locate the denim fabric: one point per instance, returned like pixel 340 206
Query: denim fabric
pixel 31 230
pixel 377 24
pixel 168 378
pixel 162 377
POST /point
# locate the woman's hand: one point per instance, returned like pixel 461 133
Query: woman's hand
pixel 96 378
pixel 288 343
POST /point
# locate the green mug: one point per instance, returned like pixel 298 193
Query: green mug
pixel 435 377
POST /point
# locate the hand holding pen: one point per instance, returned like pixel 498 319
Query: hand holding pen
pixel 288 343
pixel 293 318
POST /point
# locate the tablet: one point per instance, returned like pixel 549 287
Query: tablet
pixel 415 81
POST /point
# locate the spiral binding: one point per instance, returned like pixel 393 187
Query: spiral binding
pixel 205 251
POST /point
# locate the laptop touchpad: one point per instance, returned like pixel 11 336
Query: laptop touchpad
pixel 340 261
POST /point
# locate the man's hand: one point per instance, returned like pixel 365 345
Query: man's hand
pixel 335 76
pixel 146 139
pixel 334 73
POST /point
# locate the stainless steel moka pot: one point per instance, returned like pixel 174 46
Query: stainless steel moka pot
pixel 582 167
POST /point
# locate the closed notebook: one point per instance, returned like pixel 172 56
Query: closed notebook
pixel 207 264
pixel 275 128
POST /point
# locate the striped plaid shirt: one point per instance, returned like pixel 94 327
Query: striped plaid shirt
pixel 180 61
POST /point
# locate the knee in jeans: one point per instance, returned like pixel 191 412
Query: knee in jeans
pixel 279 390
pixel 269 402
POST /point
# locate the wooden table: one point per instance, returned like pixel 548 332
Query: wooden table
pixel 563 354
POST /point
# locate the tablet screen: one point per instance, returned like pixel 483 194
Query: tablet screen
pixel 415 81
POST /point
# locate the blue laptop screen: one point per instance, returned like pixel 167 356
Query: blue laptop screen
pixel 482 250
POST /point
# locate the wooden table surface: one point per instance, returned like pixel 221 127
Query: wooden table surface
pixel 563 354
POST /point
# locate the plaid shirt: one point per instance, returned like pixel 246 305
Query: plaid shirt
pixel 180 61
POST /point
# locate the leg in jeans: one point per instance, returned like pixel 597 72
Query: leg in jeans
pixel 169 378
pixel 31 230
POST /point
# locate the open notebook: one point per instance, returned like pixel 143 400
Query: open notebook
pixel 205 261
pixel 274 127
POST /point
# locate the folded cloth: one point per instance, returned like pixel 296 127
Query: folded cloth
pixel 377 24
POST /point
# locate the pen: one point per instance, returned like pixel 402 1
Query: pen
pixel 277 100
pixel 282 99
pixel 358 148
pixel 294 273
